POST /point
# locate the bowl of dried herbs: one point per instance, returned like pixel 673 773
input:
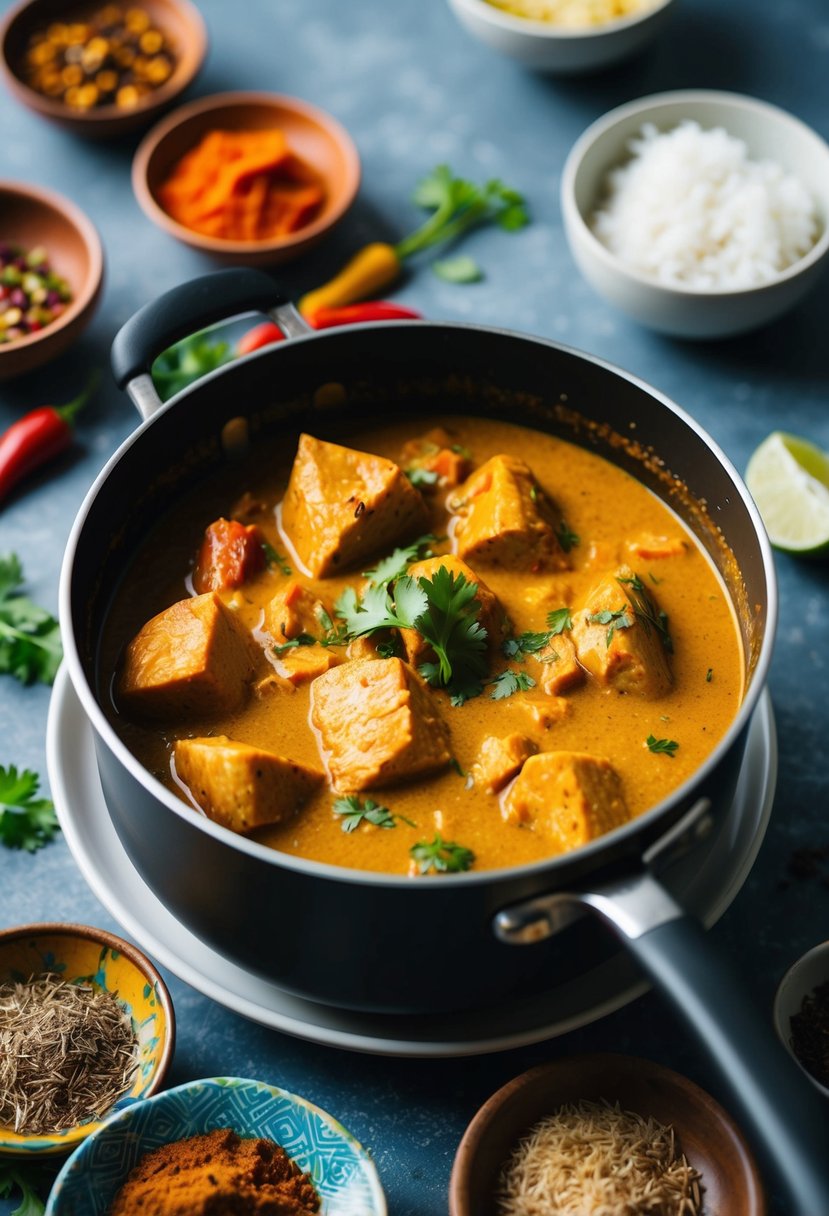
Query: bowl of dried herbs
pixel 86 1029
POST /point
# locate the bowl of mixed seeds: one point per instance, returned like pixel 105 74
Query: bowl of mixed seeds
pixel 51 273
pixel 86 1029
pixel 101 69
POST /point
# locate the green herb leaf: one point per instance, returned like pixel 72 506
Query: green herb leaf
pixel 461 269
pixel 661 747
pixel 566 537
pixel 441 856
pixel 618 619
pixel 457 206
pixel 397 563
pixel 187 361
pixel 18 1176
pixel 301 639
pixel 509 682
pixel 26 822
pixel 524 644
pixel 645 609
pixel 709 675
pixel 275 560
pixel 559 620
pixel 30 647
pixel 421 477
pixel 353 812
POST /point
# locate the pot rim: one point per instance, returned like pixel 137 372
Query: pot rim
pixel 325 870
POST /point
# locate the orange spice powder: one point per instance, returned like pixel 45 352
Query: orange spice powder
pixel 242 186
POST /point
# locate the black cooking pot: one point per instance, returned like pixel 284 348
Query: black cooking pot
pixel 384 942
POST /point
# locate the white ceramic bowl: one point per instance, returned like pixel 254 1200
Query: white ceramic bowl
pixel 770 134
pixel 803 977
pixel 547 47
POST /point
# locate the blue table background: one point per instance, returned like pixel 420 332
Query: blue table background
pixel 415 90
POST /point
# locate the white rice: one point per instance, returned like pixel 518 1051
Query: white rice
pixel 691 210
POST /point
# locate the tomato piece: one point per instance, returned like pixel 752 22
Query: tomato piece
pixel 230 553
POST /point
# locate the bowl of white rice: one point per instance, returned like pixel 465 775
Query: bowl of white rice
pixel 700 214
pixel 563 37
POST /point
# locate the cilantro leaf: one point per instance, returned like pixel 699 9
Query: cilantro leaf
pixel 274 560
pixel 559 620
pixel 397 563
pixel 353 812
pixel 567 538
pixel 30 647
pixel 661 747
pixel 458 205
pixel 12 1176
pixel 441 856
pixel 509 682
pixel 646 611
pixel 524 644
pixel 301 639
pixel 619 618
pixel 421 477
pixel 461 269
pixel 26 822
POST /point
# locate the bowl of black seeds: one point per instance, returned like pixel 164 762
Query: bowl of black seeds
pixel 801 1014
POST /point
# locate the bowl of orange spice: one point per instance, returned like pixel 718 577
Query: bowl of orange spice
pixel 249 178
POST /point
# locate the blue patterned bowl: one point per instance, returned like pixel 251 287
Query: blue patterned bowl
pixel 340 1168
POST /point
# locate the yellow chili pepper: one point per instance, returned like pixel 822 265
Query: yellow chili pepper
pixel 368 272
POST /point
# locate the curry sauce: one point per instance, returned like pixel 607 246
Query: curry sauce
pixel 611 560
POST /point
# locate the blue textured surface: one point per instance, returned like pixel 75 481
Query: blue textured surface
pixel 414 90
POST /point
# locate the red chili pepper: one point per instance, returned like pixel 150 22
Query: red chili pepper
pixel 328 318
pixel 36 438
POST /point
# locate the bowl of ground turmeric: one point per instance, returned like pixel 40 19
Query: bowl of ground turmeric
pixel 249 178
pixel 220 1144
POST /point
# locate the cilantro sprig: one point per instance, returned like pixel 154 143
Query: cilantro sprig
pixel 275 560
pixel 354 812
pixel 30 647
pixel 398 561
pixel 509 682
pixel 26 822
pixel 444 611
pixel 441 856
pixel 14 1175
pixel 619 618
pixel 661 747
pixel 646 611
pixel 525 644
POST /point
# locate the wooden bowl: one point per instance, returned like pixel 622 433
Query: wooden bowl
pixel 108 962
pixel 314 135
pixel 707 1135
pixel 30 216
pixel 179 19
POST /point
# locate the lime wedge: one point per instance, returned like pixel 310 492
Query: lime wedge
pixel 789 480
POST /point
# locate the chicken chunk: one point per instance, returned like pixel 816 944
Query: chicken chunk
pixel 301 664
pixel 569 798
pixel 436 455
pixel 243 787
pixel 504 519
pixel 343 506
pixel 491 615
pixel 560 669
pixel 194 659
pixel 296 610
pixel 499 760
pixel 378 724
pixel 621 638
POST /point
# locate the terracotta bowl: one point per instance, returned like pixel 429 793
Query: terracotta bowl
pixel 179 19
pixel 30 216
pixel 108 962
pixel 314 135
pixel 707 1135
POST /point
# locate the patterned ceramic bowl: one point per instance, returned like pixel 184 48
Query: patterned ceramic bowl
pixel 340 1168
pixel 76 953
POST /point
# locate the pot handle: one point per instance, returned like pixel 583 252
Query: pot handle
pixel 184 310
pixel 777 1102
